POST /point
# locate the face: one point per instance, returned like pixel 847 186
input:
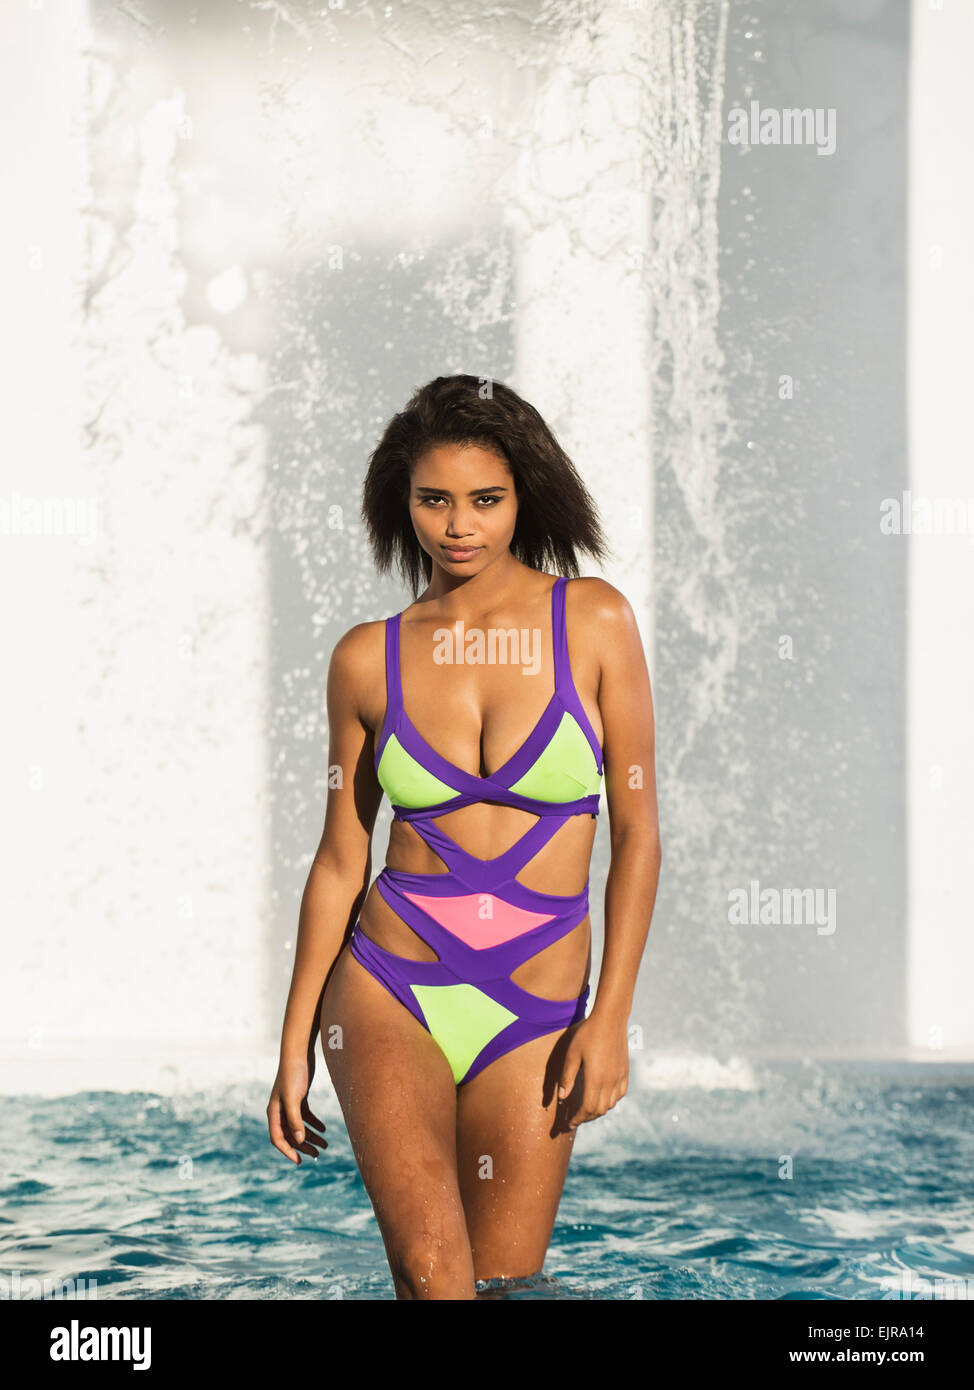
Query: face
pixel 463 507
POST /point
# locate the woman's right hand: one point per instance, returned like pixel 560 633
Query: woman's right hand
pixel 288 1112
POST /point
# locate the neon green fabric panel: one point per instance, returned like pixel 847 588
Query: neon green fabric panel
pixel 567 768
pixel 406 782
pixel 462 1019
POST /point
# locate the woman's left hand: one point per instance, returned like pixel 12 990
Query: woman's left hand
pixel 603 1046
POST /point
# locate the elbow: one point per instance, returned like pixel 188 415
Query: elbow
pixel 643 834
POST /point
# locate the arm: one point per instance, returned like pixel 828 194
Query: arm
pixel 626 706
pixel 337 883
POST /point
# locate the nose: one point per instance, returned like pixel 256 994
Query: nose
pixel 458 525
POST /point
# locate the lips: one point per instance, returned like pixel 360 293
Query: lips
pixel 460 552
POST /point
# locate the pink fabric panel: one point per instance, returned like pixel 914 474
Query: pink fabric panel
pixel 480 919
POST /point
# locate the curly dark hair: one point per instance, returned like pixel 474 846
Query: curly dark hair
pixel 556 516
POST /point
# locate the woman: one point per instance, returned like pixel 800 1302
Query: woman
pixel 450 995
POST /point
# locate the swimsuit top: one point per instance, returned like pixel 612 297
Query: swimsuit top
pixel 556 771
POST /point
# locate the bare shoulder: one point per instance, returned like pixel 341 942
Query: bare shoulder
pixel 603 629
pixel 355 646
pixel 597 606
pixel 357 666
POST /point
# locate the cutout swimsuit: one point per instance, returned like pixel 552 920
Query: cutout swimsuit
pixel 479 920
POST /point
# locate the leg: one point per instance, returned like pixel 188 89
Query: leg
pixel 399 1102
pixel 508 1114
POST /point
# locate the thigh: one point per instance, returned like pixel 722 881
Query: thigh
pixel 513 1150
pixel 398 1100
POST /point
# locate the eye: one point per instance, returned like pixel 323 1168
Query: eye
pixel 430 498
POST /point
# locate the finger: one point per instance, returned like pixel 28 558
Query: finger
pixel 277 1134
pixel 311 1132
pixel 318 1140
pixel 588 1110
pixel 569 1073
pixel 300 1135
pixel 602 1102
pixel 581 1116
pixel 307 1145
pixel 309 1114
pixel 283 1134
pixel 292 1110
pixel 312 1143
pixel 286 1150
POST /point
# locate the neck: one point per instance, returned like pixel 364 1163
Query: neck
pixel 465 596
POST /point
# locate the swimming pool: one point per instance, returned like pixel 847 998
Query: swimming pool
pixel 710 1181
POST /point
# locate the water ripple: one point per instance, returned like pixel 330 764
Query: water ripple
pixel 712 1183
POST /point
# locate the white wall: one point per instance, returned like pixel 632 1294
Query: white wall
pixel 134 796
pixel 941 567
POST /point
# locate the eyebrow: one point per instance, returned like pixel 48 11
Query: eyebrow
pixel 474 491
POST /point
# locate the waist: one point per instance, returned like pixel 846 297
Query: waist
pixel 491 893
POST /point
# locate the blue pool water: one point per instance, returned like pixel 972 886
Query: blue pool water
pixel 676 1194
